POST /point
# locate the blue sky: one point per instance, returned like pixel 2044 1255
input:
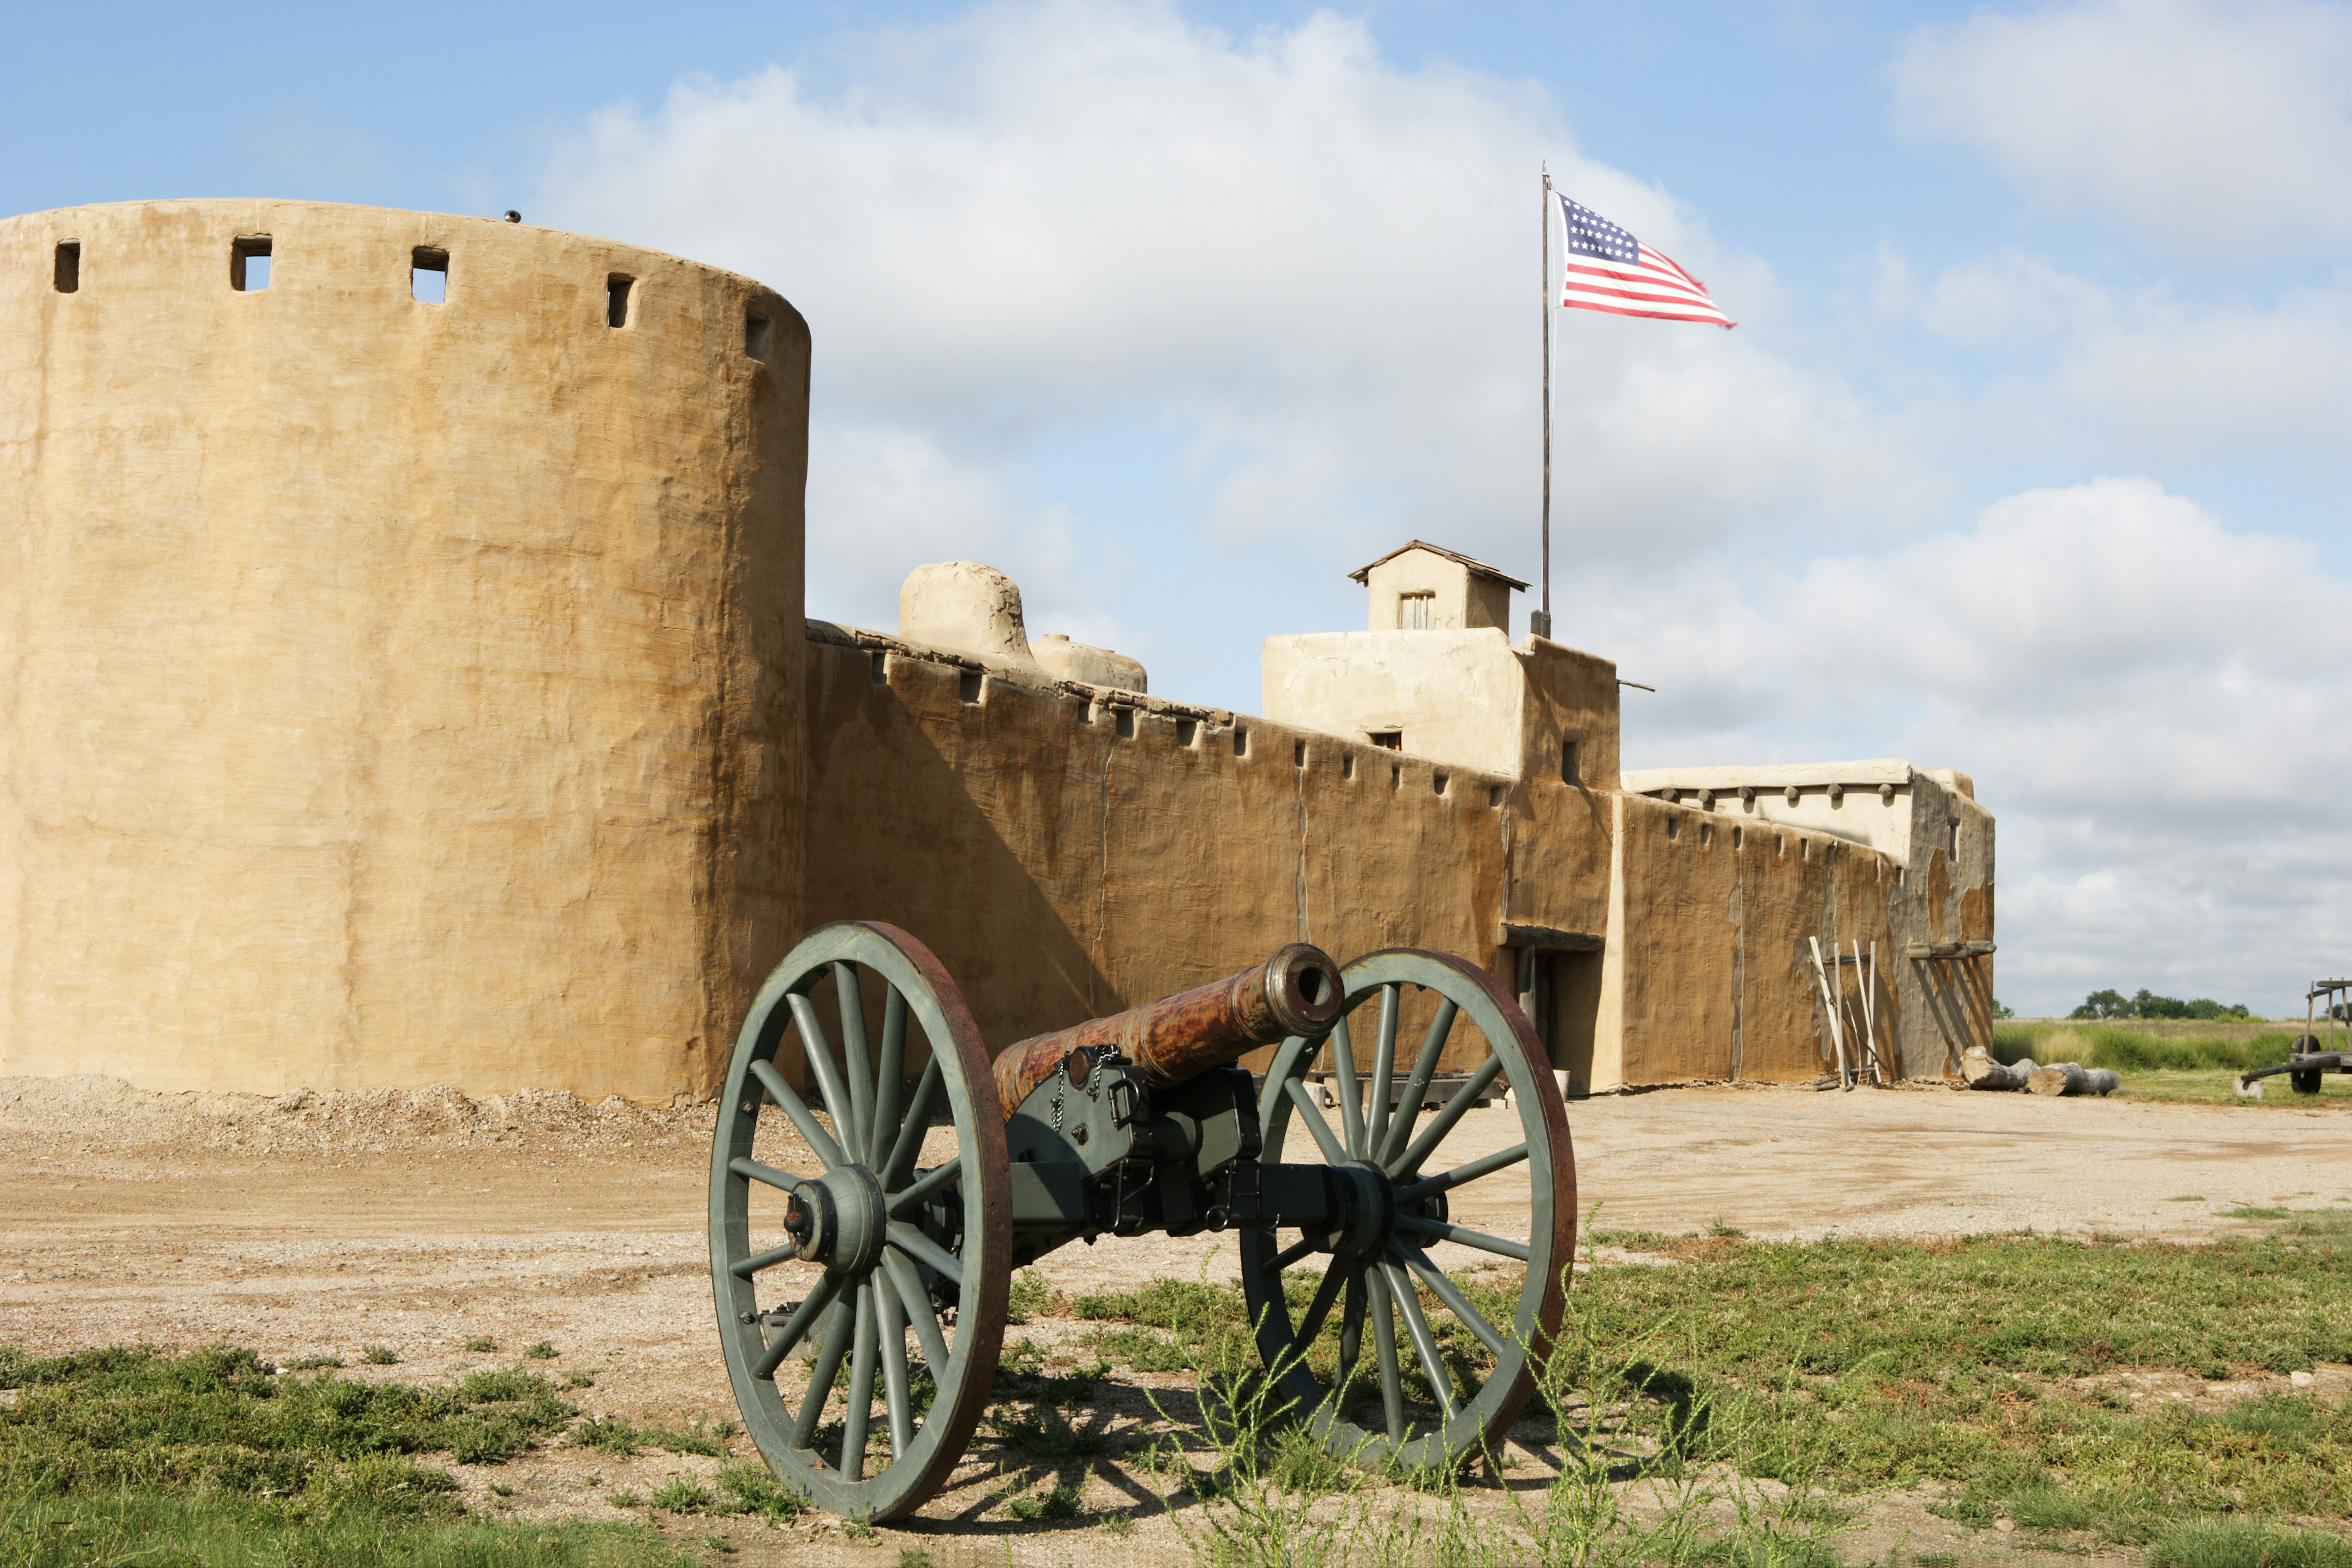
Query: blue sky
pixel 2028 458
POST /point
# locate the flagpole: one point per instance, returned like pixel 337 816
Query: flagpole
pixel 1539 624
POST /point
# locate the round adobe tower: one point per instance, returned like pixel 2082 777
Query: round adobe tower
pixel 392 691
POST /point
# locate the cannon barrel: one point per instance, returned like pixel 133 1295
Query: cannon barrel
pixel 1296 992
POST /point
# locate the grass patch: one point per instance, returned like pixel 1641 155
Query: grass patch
pixel 380 1355
pixel 539 1349
pixel 128 1455
pixel 620 1438
pixel 480 1346
pixel 1064 1501
pixel 1843 1367
pixel 2242 1544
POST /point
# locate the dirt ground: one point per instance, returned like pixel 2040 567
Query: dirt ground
pixel 318 1225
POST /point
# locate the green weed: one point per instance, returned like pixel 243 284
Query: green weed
pixel 539 1349
pixel 681 1494
pixel 380 1355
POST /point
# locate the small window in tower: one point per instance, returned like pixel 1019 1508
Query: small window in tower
pixel 1568 773
pixel 428 274
pixel 617 290
pixel 755 335
pixel 1413 611
pixel 1387 740
pixel 248 263
pixel 69 273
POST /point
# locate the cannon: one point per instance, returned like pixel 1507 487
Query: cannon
pixel 863 1245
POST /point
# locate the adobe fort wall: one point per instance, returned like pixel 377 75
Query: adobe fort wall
pixel 1069 851
pixel 391 693
pixel 397 692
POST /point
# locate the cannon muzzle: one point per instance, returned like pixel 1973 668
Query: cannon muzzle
pixel 1179 1037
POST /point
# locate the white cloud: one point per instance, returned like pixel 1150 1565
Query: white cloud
pixel 892 497
pixel 2225 130
pixel 2150 702
pixel 1311 264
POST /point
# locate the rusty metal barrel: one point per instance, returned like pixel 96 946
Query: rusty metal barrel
pixel 1296 992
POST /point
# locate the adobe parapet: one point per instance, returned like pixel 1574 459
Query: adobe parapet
pixel 400 649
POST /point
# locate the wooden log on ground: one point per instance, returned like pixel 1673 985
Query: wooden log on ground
pixel 2071 1077
pixel 1979 1070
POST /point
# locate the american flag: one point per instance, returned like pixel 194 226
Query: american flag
pixel 1609 269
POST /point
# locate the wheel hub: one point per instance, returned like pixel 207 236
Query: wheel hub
pixel 1367 1206
pixel 845 1219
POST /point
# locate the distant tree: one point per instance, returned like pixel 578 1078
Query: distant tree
pixel 2001 1009
pixel 2103 1004
pixel 2146 1003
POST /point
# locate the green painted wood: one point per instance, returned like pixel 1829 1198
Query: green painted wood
pixel 1378 1285
pixel 861 1311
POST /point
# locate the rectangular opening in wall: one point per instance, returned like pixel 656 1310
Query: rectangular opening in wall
pixel 1126 722
pixel 1414 611
pixel 1187 729
pixel 1347 767
pixel 1493 796
pixel 1574 998
pixel 968 685
pixel 1389 739
pixel 1437 782
pixel 1298 753
pixel 428 274
pixel 1569 772
pixel 67 276
pixel 1241 741
pixel 248 263
pixel 617 290
pixel 755 335
pixel 881 667
pixel 1396 776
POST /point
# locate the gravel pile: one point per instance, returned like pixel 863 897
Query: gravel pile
pixel 35 1112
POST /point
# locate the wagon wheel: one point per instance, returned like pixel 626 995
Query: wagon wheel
pixel 2304 1080
pixel 1462 1378
pixel 872 1244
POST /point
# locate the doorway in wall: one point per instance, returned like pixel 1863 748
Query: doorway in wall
pixel 1560 993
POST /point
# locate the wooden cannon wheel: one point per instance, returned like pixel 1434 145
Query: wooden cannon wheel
pixel 1450 1385
pixel 860 1242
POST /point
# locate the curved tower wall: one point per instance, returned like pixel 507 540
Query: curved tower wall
pixel 390 693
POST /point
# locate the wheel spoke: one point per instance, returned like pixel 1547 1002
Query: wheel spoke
pixel 1434 1277
pixel 821 1374
pixel 1385 1350
pixel 1424 1343
pixel 1376 1114
pixel 1447 1115
pixel 813 1131
pixel 918 1304
pixel 818 1049
pixel 923 1250
pixel 744 1268
pixel 1351 1090
pixel 861 1387
pixel 1486 1166
pixel 887 1086
pixel 891 1328
pixel 911 1130
pixel 1313 1120
pixel 1326 1296
pixel 1416 1084
pixel 905 1203
pixel 857 1061
pixel 1291 1254
pixel 1443 1231
pixel 767 1175
pixel 1351 1338
pixel 803 1318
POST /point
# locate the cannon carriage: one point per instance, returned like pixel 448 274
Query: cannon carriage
pixel 884 1245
